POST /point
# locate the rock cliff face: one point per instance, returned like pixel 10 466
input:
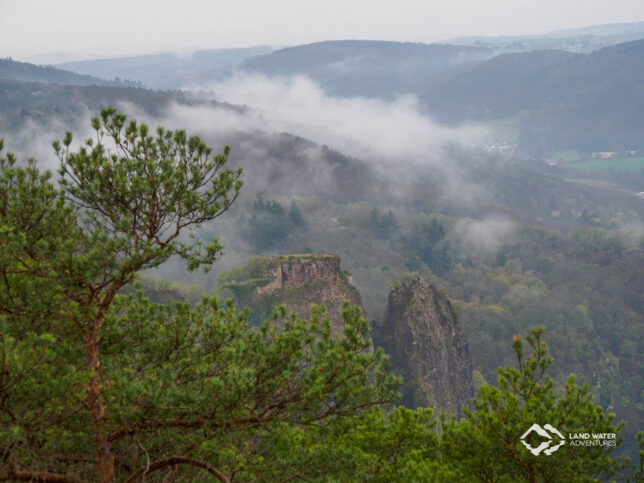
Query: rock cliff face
pixel 427 348
pixel 297 281
pixel 294 271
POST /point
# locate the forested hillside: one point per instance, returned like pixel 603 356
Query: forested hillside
pixel 41 104
pixel 168 70
pixel 368 68
pixel 23 71
pixel 590 102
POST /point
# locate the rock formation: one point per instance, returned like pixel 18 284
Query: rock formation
pixel 427 348
pixel 297 281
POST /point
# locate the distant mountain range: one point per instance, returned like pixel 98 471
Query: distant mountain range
pixel 168 70
pixel 582 40
pixel 554 99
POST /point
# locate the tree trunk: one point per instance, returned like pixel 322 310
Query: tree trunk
pixel 104 457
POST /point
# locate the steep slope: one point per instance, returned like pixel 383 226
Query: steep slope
pixel 427 348
pixel 560 100
pixel 497 88
pixel 22 103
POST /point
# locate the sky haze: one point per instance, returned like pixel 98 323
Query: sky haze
pixel 119 27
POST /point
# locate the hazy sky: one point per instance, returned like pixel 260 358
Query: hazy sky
pixel 121 27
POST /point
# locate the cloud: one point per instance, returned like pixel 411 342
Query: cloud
pixel 484 237
pixel 632 234
pixel 33 139
pixel 365 128
pixel 395 138
pixel 396 149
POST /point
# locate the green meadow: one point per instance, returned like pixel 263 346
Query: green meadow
pixel 623 165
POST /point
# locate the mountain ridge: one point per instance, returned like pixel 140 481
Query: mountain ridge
pixel 592 102
pixel 26 72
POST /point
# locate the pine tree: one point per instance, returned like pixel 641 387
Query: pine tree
pixel 486 445
pixel 99 386
pixel 295 216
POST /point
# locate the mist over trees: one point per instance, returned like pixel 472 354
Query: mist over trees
pixel 98 385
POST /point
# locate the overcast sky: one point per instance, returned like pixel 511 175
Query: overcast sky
pixel 123 27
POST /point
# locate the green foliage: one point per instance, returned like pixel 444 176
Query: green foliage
pixel 295 216
pixel 80 365
pixel 537 275
pixel 245 290
pixel 41 345
pixel 143 190
pixel 486 446
pixel 384 226
pixel 269 224
pixel 203 383
pixel 639 475
pixel 166 291
pixel 124 199
pixel 428 240
pixel 255 267
pixel 582 287
pixel 373 446
pixel 99 386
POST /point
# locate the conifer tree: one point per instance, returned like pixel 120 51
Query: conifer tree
pixel 97 386
pixel 487 445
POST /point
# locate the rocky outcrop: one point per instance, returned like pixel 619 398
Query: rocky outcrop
pixel 297 281
pixel 427 348
pixel 292 271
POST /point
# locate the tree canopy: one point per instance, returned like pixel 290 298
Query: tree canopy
pixel 98 385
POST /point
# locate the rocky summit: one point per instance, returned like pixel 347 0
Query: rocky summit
pixel 296 281
pixel 427 348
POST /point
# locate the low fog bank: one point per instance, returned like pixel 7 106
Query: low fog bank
pixel 343 148
pixel 365 128
pixel 295 142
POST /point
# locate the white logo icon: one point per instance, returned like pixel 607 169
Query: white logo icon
pixel 547 432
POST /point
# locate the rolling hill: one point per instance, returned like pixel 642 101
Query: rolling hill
pixel 167 70
pixel 367 68
pixel 592 102
pixel 24 71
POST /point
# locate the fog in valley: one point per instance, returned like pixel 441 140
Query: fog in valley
pixel 503 165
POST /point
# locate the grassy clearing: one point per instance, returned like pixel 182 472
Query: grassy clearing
pixel 622 165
